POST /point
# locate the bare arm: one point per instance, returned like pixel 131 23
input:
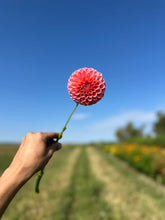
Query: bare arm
pixel 33 154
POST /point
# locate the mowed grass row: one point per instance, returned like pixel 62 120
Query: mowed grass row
pixel 83 198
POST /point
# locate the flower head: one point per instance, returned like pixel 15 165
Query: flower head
pixel 86 86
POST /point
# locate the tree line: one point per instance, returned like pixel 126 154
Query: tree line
pixel 131 132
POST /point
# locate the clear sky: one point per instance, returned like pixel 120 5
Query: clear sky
pixel 43 42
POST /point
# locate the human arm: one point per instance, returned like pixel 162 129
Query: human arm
pixel 33 154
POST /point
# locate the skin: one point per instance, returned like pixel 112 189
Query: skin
pixel 33 154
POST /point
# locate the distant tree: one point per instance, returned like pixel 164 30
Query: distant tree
pixel 159 125
pixel 129 131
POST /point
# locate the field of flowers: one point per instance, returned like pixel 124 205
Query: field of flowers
pixel 147 159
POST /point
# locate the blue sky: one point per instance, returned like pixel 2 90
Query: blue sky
pixel 43 42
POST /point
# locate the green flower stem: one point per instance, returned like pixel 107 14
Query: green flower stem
pixel 41 172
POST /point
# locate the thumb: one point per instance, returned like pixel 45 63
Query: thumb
pixel 55 146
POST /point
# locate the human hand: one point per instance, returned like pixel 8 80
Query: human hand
pixel 34 152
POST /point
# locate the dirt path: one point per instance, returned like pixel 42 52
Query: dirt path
pixel 126 197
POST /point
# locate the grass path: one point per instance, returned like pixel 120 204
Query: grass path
pixel 82 200
pixel 131 195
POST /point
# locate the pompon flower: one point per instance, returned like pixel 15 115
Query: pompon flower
pixel 86 86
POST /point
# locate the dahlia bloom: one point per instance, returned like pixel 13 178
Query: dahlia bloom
pixel 86 86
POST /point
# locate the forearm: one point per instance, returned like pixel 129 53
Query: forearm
pixel 10 182
pixel 32 155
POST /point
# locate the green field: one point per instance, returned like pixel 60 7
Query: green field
pixel 86 183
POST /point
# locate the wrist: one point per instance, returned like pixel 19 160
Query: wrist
pixel 17 175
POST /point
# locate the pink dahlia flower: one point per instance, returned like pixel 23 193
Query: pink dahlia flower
pixel 86 86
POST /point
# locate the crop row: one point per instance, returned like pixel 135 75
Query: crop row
pixel 147 159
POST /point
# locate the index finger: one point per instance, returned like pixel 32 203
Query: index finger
pixel 50 135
